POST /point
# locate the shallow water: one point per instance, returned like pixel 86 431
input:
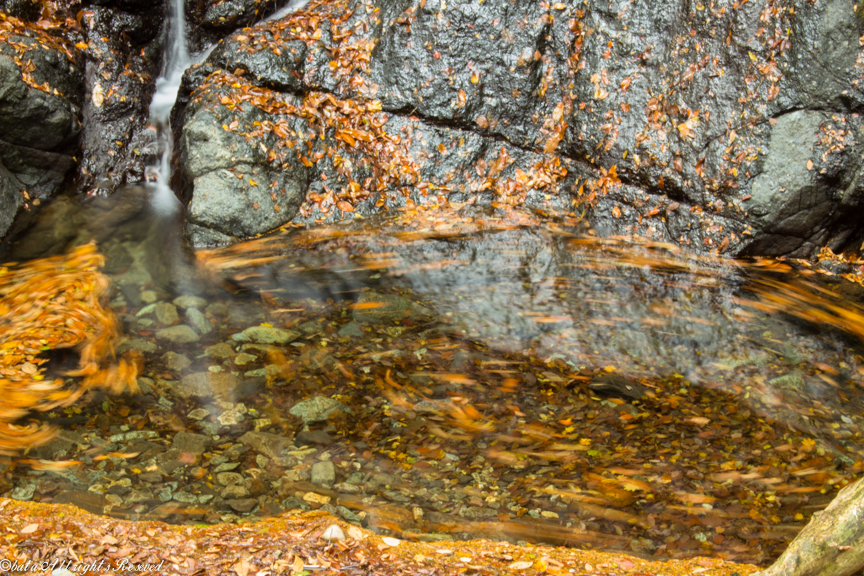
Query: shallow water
pixel 503 374
pixel 490 372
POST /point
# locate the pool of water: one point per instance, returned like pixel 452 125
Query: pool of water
pixel 486 373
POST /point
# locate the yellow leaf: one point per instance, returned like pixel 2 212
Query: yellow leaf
pixel 752 56
pixel 252 182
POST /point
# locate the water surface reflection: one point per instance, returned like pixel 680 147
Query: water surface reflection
pixel 491 373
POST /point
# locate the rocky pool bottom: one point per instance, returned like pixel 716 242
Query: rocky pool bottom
pixel 474 376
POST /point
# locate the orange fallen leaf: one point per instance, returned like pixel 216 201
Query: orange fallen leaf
pixel 697 420
pixel 30 528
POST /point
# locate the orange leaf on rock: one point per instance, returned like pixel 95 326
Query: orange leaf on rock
pixel 461 99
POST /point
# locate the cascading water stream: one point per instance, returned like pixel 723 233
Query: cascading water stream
pixel 170 262
pixel 177 60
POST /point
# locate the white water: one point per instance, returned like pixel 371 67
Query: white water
pixel 177 60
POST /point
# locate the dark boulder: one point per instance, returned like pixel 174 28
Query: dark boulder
pixel 40 117
pixel 11 198
pixel 28 10
pixel 212 20
pixel 122 65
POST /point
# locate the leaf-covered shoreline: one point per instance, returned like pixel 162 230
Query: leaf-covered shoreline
pixel 293 544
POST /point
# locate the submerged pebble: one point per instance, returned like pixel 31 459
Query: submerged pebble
pixel 181 334
pixel 318 409
pixel 266 335
pixel 198 321
pixel 187 301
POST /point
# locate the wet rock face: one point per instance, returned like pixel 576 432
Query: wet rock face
pixel 40 116
pixel 28 10
pixel 238 192
pixel 220 17
pixel 122 65
pixel 730 127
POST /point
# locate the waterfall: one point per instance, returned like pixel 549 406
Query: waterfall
pixel 177 60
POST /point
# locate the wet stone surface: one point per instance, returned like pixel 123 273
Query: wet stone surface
pixel 644 116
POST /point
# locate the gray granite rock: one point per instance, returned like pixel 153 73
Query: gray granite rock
pixel 187 301
pixel 242 505
pixel 318 409
pixel 139 344
pixel 308 437
pixel 166 314
pixel 234 491
pixel 181 334
pixel 266 335
pixel 390 307
pixel 176 362
pixel 206 384
pixel 323 473
pixel 271 445
pixel 229 479
pixel 191 443
pixel 198 321
pixel 351 330
pixel 221 351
